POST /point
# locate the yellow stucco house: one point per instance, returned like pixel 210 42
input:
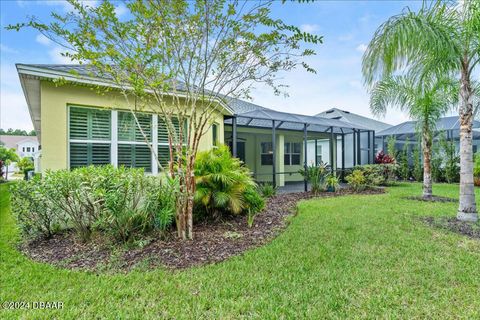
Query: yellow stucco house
pixel 77 126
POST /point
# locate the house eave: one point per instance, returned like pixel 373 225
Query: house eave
pixel 30 77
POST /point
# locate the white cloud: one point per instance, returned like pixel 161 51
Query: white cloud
pixel 310 28
pixel 362 47
pixel 120 10
pixel 7 49
pixel 366 18
pixel 40 38
pixel 14 111
pixel 355 84
pixel 346 37
pixel 56 55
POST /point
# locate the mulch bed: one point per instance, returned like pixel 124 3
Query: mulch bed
pixel 213 241
pixel 432 199
pixel 470 229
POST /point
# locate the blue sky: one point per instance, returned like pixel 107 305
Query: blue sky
pixel 347 27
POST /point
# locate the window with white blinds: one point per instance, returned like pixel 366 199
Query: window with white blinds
pixel 89 134
pixel 133 151
pixel 99 136
pixel 128 130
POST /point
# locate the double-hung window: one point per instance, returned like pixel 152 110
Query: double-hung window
pixel 89 136
pixel 292 153
pixel 266 155
pixel 133 150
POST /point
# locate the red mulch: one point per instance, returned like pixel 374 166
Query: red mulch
pixel 213 241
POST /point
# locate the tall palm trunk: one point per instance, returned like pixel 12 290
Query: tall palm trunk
pixel 427 168
pixel 467 210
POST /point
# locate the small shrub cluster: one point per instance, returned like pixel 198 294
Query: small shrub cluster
pixel 316 176
pixel 382 157
pixel 224 186
pixel 371 175
pixel 121 203
pixel 267 190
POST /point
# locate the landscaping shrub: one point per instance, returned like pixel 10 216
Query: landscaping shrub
pixel 25 164
pixel 417 171
pixel 316 176
pixel 476 169
pixel 356 180
pixel 436 163
pixel 35 214
pixel 332 183
pixel 378 174
pixel 254 204
pixel 391 150
pixel 124 214
pixel 74 194
pixel 119 202
pixel 403 170
pixel 452 160
pixel 224 185
pixel 267 190
pixel 382 157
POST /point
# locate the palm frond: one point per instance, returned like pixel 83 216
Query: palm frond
pixel 412 39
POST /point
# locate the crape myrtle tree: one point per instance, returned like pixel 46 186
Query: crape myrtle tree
pixel 181 60
pixel 442 38
pixel 424 101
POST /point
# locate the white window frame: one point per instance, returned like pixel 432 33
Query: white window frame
pixel 69 141
pixel 289 154
pixel 262 153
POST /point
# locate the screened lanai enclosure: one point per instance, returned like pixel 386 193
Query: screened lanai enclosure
pixel 406 132
pixel 276 145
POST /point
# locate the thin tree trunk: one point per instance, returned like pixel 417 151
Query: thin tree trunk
pixel 467 209
pixel 427 168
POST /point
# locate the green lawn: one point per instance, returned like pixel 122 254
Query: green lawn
pixel 345 257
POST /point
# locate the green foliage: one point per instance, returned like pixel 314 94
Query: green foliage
pixel 17 132
pixel 391 151
pixel 378 174
pixel 332 183
pixel 476 165
pixel 356 180
pixel 267 190
pixel 452 161
pixel 34 213
pixel 403 167
pixel 224 185
pixel 355 237
pixel 7 156
pixel 255 203
pixel 436 163
pixel 417 171
pixel 121 203
pixel 199 52
pixel 316 176
pixel 25 164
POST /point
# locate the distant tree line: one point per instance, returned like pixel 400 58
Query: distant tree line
pixel 17 132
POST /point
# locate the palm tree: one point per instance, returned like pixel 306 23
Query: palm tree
pixel 442 38
pixel 424 101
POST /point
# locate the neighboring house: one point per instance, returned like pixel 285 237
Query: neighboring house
pixel 368 128
pixel 448 126
pixel 25 146
pixel 77 127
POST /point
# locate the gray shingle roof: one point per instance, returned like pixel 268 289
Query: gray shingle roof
pixel 354 119
pixel 238 106
pixel 408 127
